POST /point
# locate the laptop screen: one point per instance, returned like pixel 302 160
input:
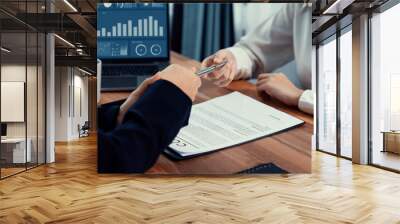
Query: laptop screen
pixel 132 31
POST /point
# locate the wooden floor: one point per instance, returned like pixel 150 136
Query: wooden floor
pixel 5 172
pixel 70 191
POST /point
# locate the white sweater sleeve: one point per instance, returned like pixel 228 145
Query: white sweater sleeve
pixel 270 44
pixel 244 64
pixel 306 102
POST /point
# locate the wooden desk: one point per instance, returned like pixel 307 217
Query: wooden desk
pixel 290 150
pixel 391 141
pixel 14 150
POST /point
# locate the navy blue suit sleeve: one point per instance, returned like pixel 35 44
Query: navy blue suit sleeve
pixel 107 117
pixel 147 129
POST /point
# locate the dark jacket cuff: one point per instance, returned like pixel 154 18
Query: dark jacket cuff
pixel 107 117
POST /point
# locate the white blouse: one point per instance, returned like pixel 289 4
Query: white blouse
pixel 283 37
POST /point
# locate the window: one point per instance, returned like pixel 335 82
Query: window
pixel 335 138
pixel 346 92
pixel 385 89
pixel 327 96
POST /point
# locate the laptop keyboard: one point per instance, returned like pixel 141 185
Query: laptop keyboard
pixel 129 70
pixel 125 77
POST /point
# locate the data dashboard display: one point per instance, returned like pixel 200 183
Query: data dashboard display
pixel 132 30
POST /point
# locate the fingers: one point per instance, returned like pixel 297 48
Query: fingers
pixel 227 78
pixel 216 58
pixel 183 78
pixel 226 74
pixel 264 82
pixel 198 83
pixel 219 74
pixel 222 76
pixel 208 61
pixel 213 59
pixel 265 75
pixel 231 67
pixel 219 58
pixel 264 85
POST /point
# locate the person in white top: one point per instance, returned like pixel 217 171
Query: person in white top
pixel 283 37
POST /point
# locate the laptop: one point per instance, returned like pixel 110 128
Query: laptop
pixel 132 43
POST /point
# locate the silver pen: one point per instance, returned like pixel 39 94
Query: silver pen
pixel 210 69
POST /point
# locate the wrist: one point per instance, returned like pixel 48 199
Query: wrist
pixel 245 68
pixel 306 102
pixel 298 94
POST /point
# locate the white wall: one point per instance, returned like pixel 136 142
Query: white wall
pixel 12 101
pixel 71 93
pixel 16 72
pixel 33 127
pixel 61 104
pixel 80 96
pixel 82 82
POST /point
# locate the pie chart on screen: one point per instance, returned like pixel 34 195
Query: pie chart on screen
pixel 107 5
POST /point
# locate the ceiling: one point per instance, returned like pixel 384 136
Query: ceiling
pixel 331 15
pixel 72 20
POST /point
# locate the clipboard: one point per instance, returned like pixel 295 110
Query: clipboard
pixel 213 126
pixel 173 155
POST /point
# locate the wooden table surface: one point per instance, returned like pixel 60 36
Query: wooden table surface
pixel 290 150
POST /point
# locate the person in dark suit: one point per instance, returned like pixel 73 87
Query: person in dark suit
pixel 131 136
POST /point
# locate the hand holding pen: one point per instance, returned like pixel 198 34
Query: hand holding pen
pixel 225 73
pixel 207 70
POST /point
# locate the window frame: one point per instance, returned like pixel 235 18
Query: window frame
pixel 378 10
pixel 337 35
pixel 27 29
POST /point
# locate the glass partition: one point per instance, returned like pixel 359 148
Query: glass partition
pixel 14 153
pixel 41 98
pixel 32 98
pixel 23 89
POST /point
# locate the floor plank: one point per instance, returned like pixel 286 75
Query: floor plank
pixel 70 191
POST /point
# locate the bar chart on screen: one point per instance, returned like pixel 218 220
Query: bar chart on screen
pixel 132 30
pixel 145 27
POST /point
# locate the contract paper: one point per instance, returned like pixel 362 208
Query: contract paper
pixel 227 121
